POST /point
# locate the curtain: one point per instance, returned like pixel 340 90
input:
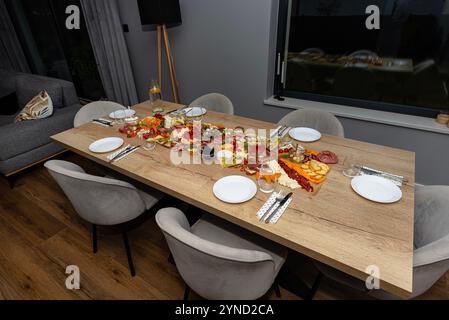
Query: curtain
pixel 111 53
pixel 11 53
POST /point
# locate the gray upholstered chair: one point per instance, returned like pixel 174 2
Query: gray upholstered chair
pixel 102 201
pixel 219 260
pixel 214 102
pixel 431 243
pixel 319 120
pixel 95 110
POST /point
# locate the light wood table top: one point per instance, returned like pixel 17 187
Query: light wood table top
pixel 335 226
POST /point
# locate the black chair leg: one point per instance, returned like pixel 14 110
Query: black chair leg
pixel 128 252
pixel 94 238
pixel 276 288
pixel 171 260
pixel 316 286
pixel 186 293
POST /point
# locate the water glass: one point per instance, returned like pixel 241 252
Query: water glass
pixel 267 180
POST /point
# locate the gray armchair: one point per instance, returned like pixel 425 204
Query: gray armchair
pixel 431 242
pixel 102 201
pixel 219 260
pixel 319 120
pixel 27 143
pixel 214 102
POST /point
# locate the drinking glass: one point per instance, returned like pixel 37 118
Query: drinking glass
pixel 149 145
pixel 267 179
pixel 351 168
pixel 155 92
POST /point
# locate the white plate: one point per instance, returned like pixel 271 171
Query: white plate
pixel 106 145
pixel 196 112
pixel 235 189
pixel 305 134
pixel 122 114
pixel 376 189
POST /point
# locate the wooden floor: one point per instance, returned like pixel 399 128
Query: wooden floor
pixel 41 234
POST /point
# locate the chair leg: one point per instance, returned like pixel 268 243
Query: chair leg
pixel 171 260
pixel 94 238
pixel 276 289
pixel 186 293
pixel 128 252
pixel 316 286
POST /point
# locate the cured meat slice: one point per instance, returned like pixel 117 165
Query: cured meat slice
pixel 328 157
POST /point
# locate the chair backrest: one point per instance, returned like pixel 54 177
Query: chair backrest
pixel 95 110
pixel 319 120
pixel 214 102
pixel 364 53
pixel 431 214
pixel 212 270
pixel 431 237
pixel 356 82
pixel 100 201
pixel 62 93
pixel 313 50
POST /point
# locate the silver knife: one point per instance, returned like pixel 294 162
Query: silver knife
pixel 268 211
pixel 127 153
pixel 129 147
pixel 284 201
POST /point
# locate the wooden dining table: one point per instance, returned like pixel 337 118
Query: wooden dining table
pixel 334 226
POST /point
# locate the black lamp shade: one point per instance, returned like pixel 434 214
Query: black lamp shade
pixel 156 12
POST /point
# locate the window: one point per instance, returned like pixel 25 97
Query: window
pixel 328 54
pixel 51 49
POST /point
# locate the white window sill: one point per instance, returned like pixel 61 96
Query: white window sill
pixel 389 118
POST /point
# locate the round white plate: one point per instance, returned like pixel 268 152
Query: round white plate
pixel 106 145
pixel 376 189
pixel 305 134
pixel 235 189
pixel 196 112
pixel 122 114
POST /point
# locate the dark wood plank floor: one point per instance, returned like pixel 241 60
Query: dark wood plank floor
pixel 41 234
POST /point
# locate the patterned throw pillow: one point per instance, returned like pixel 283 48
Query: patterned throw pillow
pixel 39 107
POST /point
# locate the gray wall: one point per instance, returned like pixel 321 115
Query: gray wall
pixel 227 46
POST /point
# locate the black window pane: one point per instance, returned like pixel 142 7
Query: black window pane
pixel 53 50
pixel 331 52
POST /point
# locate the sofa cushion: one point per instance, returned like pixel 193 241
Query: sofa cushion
pixel 19 138
pixel 28 86
pixel 9 104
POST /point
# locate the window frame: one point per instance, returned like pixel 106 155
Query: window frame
pixel 279 90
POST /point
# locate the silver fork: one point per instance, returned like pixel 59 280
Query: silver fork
pixel 279 197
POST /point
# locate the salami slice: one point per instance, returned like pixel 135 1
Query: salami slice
pixel 328 157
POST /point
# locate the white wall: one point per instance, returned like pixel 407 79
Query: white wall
pixel 227 46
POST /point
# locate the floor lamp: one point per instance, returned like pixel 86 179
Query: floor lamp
pixel 162 14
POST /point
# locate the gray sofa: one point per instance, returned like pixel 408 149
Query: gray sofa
pixel 26 143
